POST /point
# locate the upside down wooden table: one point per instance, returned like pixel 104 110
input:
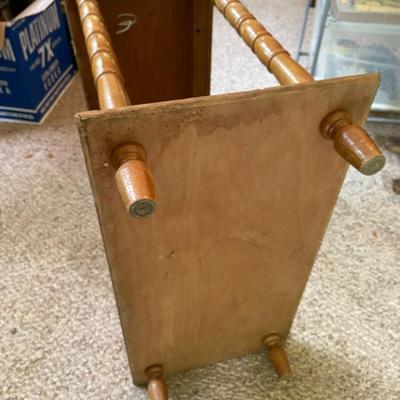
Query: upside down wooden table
pixel 212 209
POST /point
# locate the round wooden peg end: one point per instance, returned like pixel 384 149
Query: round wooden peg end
pixel 134 181
pixel 353 143
pixel 136 187
pixel 277 356
pixel 157 388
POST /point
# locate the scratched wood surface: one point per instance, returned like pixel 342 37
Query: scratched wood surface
pixel 245 188
pixel 163 47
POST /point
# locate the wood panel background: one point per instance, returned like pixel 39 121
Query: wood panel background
pixel 165 55
pixel 245 188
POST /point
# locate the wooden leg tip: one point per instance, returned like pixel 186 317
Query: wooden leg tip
pixel 157 388
pixel 279 360
pixel 277 356
pixel 133 179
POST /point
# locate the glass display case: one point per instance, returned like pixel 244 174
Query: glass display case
pixel 360 36
pixel 351 48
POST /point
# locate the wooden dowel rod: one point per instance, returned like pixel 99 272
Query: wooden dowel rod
pixel 106 73
pixel 350 141
pixel 133 178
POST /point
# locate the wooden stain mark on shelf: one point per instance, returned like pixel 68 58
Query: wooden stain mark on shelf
pixel 126 21
pixel 350 141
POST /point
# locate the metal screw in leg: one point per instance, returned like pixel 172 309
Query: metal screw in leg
pixel 142 208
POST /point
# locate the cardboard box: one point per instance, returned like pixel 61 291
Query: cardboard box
pixel 36 62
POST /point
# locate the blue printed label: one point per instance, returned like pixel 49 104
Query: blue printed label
pixel 36 64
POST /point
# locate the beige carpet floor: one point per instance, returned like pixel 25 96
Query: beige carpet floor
pixel 60 336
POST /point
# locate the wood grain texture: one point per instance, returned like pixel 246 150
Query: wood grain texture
pixel 165 55
pixel 246 186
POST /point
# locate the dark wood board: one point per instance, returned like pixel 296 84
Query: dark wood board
pixel 164 55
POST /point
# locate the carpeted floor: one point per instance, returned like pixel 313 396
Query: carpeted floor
pixel 60 336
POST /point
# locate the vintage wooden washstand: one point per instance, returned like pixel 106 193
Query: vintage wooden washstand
pixel 230 195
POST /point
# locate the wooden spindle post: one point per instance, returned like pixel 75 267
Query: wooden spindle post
pixel 157 388
pixel 277 355
pixel 134 180
pixel 350 141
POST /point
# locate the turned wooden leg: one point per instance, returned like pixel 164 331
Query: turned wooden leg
pixel 352 143
pixel 134 181
pixel 157 388
pixel 277 355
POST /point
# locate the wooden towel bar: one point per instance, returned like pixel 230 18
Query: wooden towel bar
pixel 218 266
